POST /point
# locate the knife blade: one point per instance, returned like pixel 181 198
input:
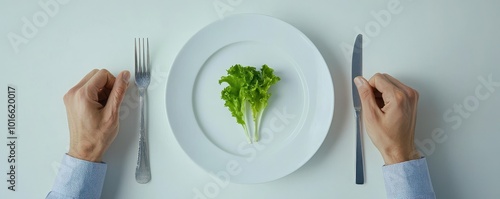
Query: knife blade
pixel 357 70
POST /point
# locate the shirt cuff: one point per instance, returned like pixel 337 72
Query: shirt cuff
pixel 79 178
pixel 409 179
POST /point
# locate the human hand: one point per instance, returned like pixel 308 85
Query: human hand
pixel 389 115
pixel 93 107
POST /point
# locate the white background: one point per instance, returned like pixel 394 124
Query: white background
pixel 440 48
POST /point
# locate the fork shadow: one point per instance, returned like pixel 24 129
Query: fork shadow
pixel 120 169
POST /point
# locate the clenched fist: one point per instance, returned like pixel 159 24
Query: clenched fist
pixel 93 107
pixel 389 115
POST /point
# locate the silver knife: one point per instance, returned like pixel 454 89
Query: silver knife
pixel 357 70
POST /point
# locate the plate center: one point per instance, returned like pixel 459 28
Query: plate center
pixel 286 111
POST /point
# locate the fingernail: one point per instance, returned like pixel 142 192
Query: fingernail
pixel 358 81
pixel 126 76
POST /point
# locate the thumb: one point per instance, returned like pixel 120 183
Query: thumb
pixel 118 92
pixel 367 96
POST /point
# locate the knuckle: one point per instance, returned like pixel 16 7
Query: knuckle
pixel 399 96
pixel 99 71
pixel 105 71
pixel 79 93
pixel 377 76
pixel 69 95
pixel 412 94
pixel 66 97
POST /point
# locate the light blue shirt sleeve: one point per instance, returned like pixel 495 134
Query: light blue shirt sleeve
pixel 78 179
pixel 408 180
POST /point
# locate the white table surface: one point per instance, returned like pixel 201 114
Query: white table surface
pixel 441 48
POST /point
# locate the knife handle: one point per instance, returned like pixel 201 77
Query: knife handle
pixel 360 174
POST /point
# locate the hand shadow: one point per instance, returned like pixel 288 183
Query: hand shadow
pixel 429 119
pixel 121 169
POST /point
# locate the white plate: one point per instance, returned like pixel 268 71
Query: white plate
pixel 295 122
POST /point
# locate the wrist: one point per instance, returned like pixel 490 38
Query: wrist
pixel 398 156
pixel 87 152
pixel 86 156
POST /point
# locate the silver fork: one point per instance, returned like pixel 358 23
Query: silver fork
pixel 142 79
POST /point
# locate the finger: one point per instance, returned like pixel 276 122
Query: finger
pixel 367 96
pixel 103 94
pixel 385 87
pixel 411 93
pixel 103 79
pixel 86 78
pixel 382 84
pixel 398 84
pixel 118 93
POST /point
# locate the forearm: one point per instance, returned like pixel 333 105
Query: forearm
pixel 409 179
pixel 78 179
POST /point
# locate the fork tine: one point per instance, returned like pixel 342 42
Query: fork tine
pixel 142 55
pixel 135 54
pixel 148 58
pixel 143 64
pixel 142 60
pixel 139 54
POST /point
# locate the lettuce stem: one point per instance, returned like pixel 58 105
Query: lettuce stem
pixel 256 134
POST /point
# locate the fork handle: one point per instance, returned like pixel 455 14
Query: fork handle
pixel 143 170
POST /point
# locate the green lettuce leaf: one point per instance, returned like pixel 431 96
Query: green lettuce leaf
pixel 247 85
